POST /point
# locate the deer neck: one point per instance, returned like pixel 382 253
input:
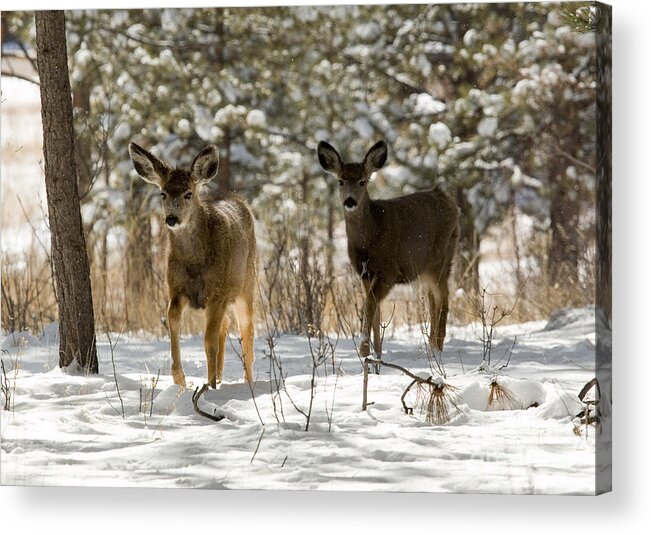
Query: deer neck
pixel 360 224
pixel 186 242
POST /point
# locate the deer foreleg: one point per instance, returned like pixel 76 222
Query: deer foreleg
pixel 376 290
pixel 174 312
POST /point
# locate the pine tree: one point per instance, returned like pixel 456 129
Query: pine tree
pixel 71 270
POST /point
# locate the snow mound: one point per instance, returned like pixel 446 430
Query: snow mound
pixel 564 317
pixel 174 400
pixel 518 394
pixel 562 405
pixel 20 339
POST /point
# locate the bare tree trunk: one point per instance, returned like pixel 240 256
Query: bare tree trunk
pixel 81 104
pixel 566 245
pixel 71 269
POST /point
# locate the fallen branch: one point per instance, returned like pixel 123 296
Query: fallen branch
pixel 586 388
pixel 591 414
pixel 408 410
pixel 437 392
pixel 195 402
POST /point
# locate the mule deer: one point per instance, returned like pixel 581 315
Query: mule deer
pixel 211 256
pixel 402 240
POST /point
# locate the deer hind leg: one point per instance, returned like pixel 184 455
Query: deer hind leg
pixel 174 313
pixel 443 317
pixel 215 314
pixel 244 312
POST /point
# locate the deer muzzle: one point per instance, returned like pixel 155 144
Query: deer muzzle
pixel 350 203
pixel 171 221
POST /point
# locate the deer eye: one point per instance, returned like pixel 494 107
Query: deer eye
pixel 188 195
pixel 163 195
pixel 362 183
pixel 341 182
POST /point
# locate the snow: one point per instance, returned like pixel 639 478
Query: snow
pixel 440 135
pixel 426 104
pixel 368 31
pixel 256 119
pixel 67 429
pixel 470 37
pixel 487 127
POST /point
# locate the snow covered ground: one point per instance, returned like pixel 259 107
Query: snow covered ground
pixel 64 429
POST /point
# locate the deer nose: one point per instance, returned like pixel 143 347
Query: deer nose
pixel 350 203
pixel 171 220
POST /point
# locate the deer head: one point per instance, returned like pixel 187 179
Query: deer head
pixel 353 177
pixel 178 187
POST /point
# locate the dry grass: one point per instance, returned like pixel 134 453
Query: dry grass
pixel 28 296
pixel 293 294
pixel 436 400
pixel 501 397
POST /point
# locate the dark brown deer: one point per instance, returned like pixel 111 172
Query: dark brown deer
pixel 395 241
pixel 211 256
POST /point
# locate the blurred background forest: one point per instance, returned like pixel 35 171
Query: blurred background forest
pixel 497 102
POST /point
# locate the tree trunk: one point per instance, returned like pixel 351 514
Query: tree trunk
pixel 566 244
pixel 71 269
pixel 81 104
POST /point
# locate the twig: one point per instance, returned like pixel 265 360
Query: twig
pixel 408 410
pixel 154 383
pixel 258 446
pixel 510 352
pixel 115 376
pixel 330 414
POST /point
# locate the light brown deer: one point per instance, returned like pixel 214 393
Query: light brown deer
pixel 211 256
pixel 395 241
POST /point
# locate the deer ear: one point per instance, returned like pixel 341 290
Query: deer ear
pixel 205 165
pixel 329 158
pixel 150 168
pixel 376 157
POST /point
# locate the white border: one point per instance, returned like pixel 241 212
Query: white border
pixel 103 510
